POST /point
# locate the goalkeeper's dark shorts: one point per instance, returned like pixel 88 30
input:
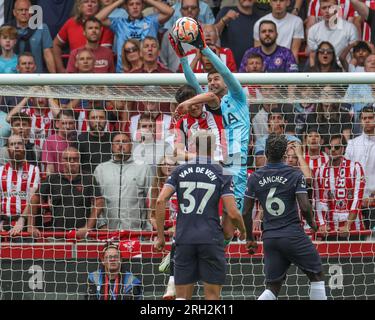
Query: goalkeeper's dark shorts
pixel 199 262
pixel 280 253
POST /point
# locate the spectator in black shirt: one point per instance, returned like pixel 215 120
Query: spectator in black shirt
pixel 95 145
pixel 74 197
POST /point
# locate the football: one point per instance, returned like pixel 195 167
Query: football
pixel 185 29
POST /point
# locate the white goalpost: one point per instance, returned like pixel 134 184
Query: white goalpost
pixel 56 266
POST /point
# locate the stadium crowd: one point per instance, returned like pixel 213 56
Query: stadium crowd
pixel 74 164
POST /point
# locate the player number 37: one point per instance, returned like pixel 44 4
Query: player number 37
pixel 275 206
pixel 190 187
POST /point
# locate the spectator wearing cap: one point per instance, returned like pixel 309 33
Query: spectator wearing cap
pixel 103 56
pixel 111 281
pixel 276 124
pixel 361 50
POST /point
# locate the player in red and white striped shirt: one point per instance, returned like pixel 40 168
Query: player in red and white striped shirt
pixel 346 11
pixel 343 182
pixel 19 181
pixel 197 118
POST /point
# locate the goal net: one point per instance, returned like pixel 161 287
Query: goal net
pixel 53 257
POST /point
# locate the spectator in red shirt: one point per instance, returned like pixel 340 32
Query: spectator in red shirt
pixel 85 61
pixel 198 62
pixel 72 33
pixel 103 56
pixel 150 52
pixel 131 56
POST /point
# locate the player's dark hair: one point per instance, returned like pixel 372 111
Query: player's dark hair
pixel 184 93
pixel 276 145
pixel 212 71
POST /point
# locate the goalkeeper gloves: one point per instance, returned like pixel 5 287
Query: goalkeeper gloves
pixel 176 45
pixel 199 43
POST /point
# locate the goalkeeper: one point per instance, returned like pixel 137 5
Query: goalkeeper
pixel 231 99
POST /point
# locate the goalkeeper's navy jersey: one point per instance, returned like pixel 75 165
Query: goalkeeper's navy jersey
pixel 275 186
pixel 199 186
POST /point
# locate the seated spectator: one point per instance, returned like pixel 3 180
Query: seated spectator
pixel 85 61
pixel 343 183
pixel 162 119
pixel 73 195
pixel 362 150
pixel 331 118
pixel 26 63
pixel 125 186
pixel 275 57
pixel 339 32
pixel 212 39
pixel 42 112
pixel 232 23
pixel 361 50
pixel 325 59
pixel 150 52
pixel 110 281
pixel 95 145
pixel 16 192
pixel 290 32
pixel 344 10
pixel 21 126
pixel 71 35
pixel 131 56
pixel 200 9
pixel 276 124
pixel 58 142
pixel 137 26
pixel 190 9
pixel 103 56
pixel 36 40
pixel 8 40
pixel 254 65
